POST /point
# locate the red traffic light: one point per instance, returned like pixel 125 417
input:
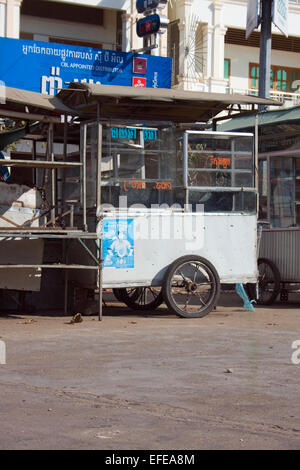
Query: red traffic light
pixel 148 25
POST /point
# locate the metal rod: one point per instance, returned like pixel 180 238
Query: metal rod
pixel 9 221
pixel 39 164
pixel 56 218
pixel 99 161
pixel 47 266
pixel 185 167
pixel 99 192
pixel 30 116
pixel 53 173
pixel 100 273
pixel 38 233
pixel 63 173
pixel 71 215
pixel 83 180
pixel 66 278
pixel 185 160
pixel 34 170
pixel 89 251
pixel 256 175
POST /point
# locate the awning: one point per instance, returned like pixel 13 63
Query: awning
pixel 8 137
pixel 283 116
pixel 24 103
pixel 152 103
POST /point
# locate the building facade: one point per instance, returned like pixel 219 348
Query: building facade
pixel 107 24
pixel 205 38
pixel 211 53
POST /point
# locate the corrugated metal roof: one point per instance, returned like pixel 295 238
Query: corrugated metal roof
pixel 17 99
pixel 152 103
pixel 282 116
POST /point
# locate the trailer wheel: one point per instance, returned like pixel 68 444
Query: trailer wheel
pixel 268 283
pixel 191 287
pixel 141 298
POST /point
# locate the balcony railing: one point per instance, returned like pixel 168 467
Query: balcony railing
pixel 287 99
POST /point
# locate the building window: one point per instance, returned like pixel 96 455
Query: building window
pixel 24 35
pixel 74 42
pixel 226 69
pixel 282 78
pixel 62 11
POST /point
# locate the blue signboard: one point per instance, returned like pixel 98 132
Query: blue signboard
pixel 46 67
pixel 118 243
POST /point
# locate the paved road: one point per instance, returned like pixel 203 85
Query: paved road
pixel 154 381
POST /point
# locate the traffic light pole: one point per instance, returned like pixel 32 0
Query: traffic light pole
pixel 265 50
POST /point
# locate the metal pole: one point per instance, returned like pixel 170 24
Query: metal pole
pixel 100 272
pixel 66 277
pixel 185 167
pixel 34 170
pixel 63 173
pixel 256 175
pixel 265 50
pixel 83 142
pixel 53 173
pixel 99 245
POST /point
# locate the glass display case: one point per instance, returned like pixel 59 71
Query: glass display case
pixel 139 162
pixel 279 190
pixel 217 171
pixel 161 165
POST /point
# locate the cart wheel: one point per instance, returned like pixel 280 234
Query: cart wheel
pixel 268 283
pixel 142 298
pixel 122 294
pixel 118 294
pixel 284 295
pixel 191 287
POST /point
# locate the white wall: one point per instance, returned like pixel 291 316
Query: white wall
pixel 2 19
pixel 203 9
pixel 241 56
pixel 9 18
pixel 235 16
pixel 113 4
pixel 200 8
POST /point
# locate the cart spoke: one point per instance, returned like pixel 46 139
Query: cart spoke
pixel 154 293
pixel 189 296
pixel 183 277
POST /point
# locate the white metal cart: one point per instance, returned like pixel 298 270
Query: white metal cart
pixel 190 217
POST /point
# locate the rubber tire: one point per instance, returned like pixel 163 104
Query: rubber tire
pixel 251 288
pixel 130 301
pixel 118 294
pixel 167 293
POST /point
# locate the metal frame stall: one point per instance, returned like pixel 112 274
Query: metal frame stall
pixel 67 180
pixel 279 201
pixel 56 176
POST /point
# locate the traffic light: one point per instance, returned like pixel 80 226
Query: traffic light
pixel 154 23
pixel 148 25
pixel 146 5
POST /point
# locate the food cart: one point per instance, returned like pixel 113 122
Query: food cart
pixel 164 209
pixel 279 202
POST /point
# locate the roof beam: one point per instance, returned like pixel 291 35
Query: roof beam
pixel 29 116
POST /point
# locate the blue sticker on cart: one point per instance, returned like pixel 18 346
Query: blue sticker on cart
pixel 118 243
